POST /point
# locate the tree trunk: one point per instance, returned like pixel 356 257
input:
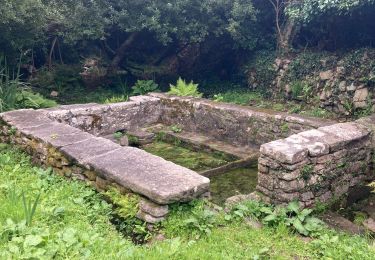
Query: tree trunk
pixel 120 53
pixel 51 53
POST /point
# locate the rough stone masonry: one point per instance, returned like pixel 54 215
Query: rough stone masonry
pixel 317 165
pixel 319 159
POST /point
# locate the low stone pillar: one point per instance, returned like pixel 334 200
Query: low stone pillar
pixel 316 165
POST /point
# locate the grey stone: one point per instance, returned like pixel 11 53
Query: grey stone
pixel 25 118
pixel 307 196
pixel 315 148
pixel 369 224
pixel 124 141
pixel 326 75
pixel 360 98
pixel 159 180
pixel 87 149
pixel 340 223
pixel 342 86
pixel 351 88
pixel 289 176
pixel 254 224
pixel 153 209
pixel 284 152
pixel 235 200
pixel 148 218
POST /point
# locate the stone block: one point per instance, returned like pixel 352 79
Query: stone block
pixel 284 151
pixel 148 218
pixel 289 176
pixel 153 209
pixel 157 179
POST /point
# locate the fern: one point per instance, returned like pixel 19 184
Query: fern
pixel 184 89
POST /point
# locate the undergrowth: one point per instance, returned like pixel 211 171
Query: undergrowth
pixel 72 221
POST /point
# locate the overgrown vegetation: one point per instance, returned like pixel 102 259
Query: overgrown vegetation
pixel 14 94
pixel 73 221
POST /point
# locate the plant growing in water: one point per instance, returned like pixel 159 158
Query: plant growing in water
pixel 184 89
pixel 143 87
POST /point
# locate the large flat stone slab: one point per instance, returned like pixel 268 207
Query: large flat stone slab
pixel 161 181
pixel 25 118
pixel 83 151
pixel 52 130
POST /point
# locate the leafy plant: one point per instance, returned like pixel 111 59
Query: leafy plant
pixel 143 87
pixel 8 87
pixel 218 97
pixel 184 89
pixel 27 99
pixel 118 135
pixel 201 222
pixel 293 216
pixel 29 208
pixel 116 99
pixel 176 129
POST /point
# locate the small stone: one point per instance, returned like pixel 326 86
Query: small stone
pixel 370 224
pixel 124 141
pixel 326 75
pixel 307 196
pixel 340 70
pixel 351 87
pixel 342 86
pixel 102 184
pixel 158 238
pixel 290 176
pixel 361 95
pixel 91 175
pixel 54 94
pixel 262 168
pixel 153 209
pixel 148 218
pixel 232 201
pixel 254 224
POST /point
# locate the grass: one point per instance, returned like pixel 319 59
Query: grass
pixel 72 221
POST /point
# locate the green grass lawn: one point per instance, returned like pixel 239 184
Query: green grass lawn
pixel 72 221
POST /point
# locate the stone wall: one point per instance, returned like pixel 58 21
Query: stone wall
pixel 316 165
pixel 342 83
pixel 238 125
pixel 107 119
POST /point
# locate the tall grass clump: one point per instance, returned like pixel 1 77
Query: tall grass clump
pixel 8 86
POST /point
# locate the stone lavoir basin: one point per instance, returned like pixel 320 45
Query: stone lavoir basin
pixel 240 149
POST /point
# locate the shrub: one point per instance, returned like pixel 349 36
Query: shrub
pixel 27 99
pixel 143 87
pixel 8 87
pixel 184 89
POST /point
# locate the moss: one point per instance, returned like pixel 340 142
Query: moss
pixel 197 161
pixel 306 172
pixel 127 205
pixel 285 128
pixel 234 182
